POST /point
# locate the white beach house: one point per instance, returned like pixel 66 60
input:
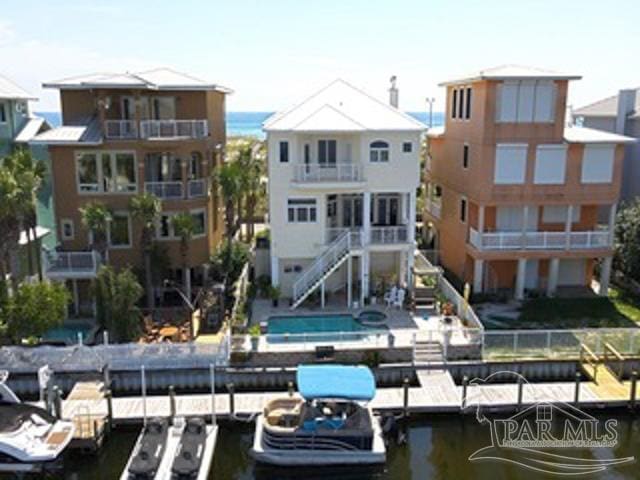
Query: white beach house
pixel 343 173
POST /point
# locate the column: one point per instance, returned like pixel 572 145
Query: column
pixel 349 280
pixel 478 274
pixel 552 280
pixel 364 276
pixel 605 275
pixel 411 196
pixel 366 217
pixel 567 227
pixel 275 270
pixel 525 224
pixel 522 271
pixel 402 267
pixel 480 219
pixel 410 260
pixel 612 222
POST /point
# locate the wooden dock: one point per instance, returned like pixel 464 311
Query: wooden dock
pixel 84 407
pixel 437 392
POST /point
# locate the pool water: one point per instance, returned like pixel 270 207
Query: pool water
pixel 68 333
pixel 314 324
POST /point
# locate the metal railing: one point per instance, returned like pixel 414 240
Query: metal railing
pixel 335 172
pixel 390 235
pixel 174 128
pixel 540 240
pixel 197 188
pixel 69 264
pixel 120 129
pixel 611 355
pixel 164 189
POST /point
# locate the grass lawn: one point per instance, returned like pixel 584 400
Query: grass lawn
pixel 618 311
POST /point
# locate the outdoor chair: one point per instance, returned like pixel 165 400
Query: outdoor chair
pixel 390 296
pixel 399 300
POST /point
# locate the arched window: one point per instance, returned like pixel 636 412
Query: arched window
pixel 379 151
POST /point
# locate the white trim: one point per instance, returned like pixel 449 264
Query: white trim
pixel 99 174
pixel 308 207
pixel 69 222
pixel 379 151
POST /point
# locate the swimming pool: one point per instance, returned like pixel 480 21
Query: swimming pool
pixel 68 333
pixel 314 326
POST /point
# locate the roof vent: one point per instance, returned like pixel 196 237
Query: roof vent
pixel 393 93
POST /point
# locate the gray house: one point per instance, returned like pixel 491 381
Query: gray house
pixel 619 114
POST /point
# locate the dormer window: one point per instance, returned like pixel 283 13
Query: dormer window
pixel 379 151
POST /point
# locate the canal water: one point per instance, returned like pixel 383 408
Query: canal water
pixel 437 447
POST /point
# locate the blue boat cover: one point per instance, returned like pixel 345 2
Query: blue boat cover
pixel 336 381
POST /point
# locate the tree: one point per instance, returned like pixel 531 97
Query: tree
pixel 251 160
pixel 96 217
pixel 117 294
pixel 227 178
pixel 184 227
pixel 145 209
pixel 9 222
pixel 33 309
pixel 627 240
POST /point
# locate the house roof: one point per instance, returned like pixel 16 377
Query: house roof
pixel 607 107
pixel 85 131
pixel 435 132
pixel 341 107
pixel 11 91
pixel 33 126
pixel 511 72
pixel 573 134
pixel 40 232
pixel 157 79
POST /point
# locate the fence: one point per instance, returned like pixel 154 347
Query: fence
pixel 128 356
pixel 240 294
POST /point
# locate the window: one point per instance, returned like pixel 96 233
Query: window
pixel 67 232
pixel 511 163
pixel 195 166
pixel 162 167
pixel 525 101
pixel 284 152
pixel 454 103
pixel 544 413
pixel 327 152
pixel 467 113
pixel 597 164
pixel 165 230
pixel 106 172
pixel 550 165
pixel 407 147
pixel 465 156
pixel 463 210
pixel 119 231
pixel 163 108
pixel 301 210
pixel 3 113
pixel 461 103
pixel 379 151
pixel 558 214
pixel 199 220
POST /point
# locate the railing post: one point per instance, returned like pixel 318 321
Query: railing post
pixel 576 398
pixel 548 343
pixel 172 404
pixel 465 384
pixel 405 387
pixel 520 389
pixel 232 404
pixel 634 384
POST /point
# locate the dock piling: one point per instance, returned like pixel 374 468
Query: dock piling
pixel 57 402
pixel 232 405
pixel 109 396
pixel 405 388
pixel 576 399
pixel 465 384
pixel 520 389
pixel 290 388
pixel 106 376
pixel 172 403
pixel 634 385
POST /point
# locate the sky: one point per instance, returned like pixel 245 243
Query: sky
pixel 273 53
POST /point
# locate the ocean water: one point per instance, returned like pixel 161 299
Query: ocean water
pixel 250 123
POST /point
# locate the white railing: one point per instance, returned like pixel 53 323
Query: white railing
pixel 174 128
pixel 433 207
pixel 331 234
pixel 197 188
pixel 539 240
pixel 322 264
pixel 390 235
pixel 120 129
pixel 70 264
pixel 164 189
pixel 338 172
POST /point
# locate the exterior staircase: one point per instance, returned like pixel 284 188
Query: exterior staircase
pixel 428 351
pixel 324 265
pixel 424 301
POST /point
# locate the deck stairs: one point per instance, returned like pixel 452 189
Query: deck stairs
pixel 428 352
pixel 324 265
pixel 605 371
pixel 424 301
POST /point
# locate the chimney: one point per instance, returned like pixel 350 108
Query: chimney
pixel 393 93
pixel 626 105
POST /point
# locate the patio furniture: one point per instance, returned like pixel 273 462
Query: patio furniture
pixel 399 300
pixel 390 296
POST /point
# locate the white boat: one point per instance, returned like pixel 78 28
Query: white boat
pixel 330 423
pixel 31 440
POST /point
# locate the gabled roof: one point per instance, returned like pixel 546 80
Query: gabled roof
pixel 511 72
pixel 83 132
pixel 573 134
pixel 341 107
pixel 607 107
pixel 157 79
pixel 11 91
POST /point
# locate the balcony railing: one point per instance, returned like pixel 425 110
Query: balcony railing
pixel 434 207
pixel 540 240
pixel 389 235
pixel 120 129
pixel 71 264
pixel 174 128
pixel 316 172
pixel 164 189
pixel 197 188
pixel 356 235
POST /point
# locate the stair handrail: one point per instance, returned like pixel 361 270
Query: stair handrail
pixel 342 242
pixel 611 350
pixel 590 358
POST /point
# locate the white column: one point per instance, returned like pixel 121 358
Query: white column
pixel 552 280
pixel 525 224
pixel 605 275
pixel 364 276
pixel 567 227
pixel 411 196
pixel 275 270
pixel 522 271
pixel 481 219
pixel 410 259
pixel 349 280
pixel 76 297
pixel 402 267
pixel 478 274
pixel 366 217
pixel 612 222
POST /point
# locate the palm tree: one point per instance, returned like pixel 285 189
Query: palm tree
pixel 228 179
pixel 250 162
pixel 9 222
pixel 145 208
pixel 184 226
pixel 96 217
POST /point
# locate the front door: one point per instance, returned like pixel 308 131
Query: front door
pixel 352 211
pixel 387 210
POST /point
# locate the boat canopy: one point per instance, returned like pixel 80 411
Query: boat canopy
pixel 336 381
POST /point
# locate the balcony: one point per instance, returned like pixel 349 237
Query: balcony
pixel 327 173
pixel 593 239
pixel 164 190
pixel 170 129
pixel 120 129
pixel 197 188
pixel 63 265
pixel 389 235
